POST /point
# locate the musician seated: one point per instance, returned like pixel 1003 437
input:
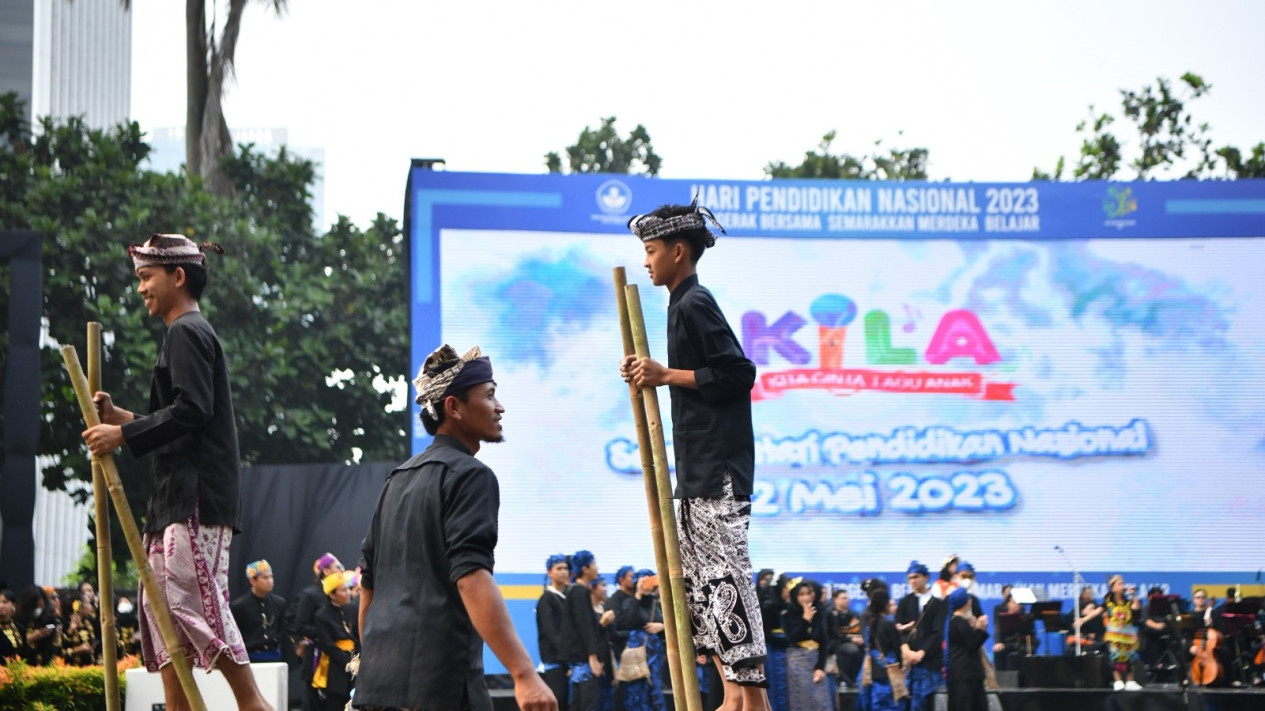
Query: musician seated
pixel 1156 630
pixel 1016 636
pixel 1090 627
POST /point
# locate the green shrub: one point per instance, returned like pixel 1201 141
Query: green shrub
pixel 57 687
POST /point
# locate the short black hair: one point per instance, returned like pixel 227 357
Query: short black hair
pixel 196 277
pixel 697 238
pixel 432 425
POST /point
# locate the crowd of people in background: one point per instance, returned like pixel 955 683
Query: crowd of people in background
pixel 44 625
pixel 894 653
pixel 317 631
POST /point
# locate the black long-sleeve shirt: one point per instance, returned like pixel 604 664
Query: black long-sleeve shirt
pixel 799 630
pixel 261 621
pixel 579 631
pixel 618 602
pixel 711 426
pixel 550 609
pixel 334 623
pixel 190 430
pixel 965 640
pixel 928 634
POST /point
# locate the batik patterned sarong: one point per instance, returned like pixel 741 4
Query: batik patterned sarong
pixel 719 585
pixel 190 564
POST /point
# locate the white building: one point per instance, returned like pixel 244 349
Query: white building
pixel 68 58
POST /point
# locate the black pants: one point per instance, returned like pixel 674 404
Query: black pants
pixel 556 680
pixel 967 696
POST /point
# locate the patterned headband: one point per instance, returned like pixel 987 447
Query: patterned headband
pixel 162 249
pixel 648 227
pixel 257 568
pixel 440 372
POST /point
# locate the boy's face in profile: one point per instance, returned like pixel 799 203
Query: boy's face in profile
pixel 663 260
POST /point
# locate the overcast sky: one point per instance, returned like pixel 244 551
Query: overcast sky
pixel 990 88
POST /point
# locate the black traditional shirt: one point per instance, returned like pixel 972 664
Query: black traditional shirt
pixel 550 610
pixel 12 641
pixel 261 621
pixel 964 645
pixel 190 430
pixel 579 627
pixel 927 634
pixel 711 426
pixel 436 522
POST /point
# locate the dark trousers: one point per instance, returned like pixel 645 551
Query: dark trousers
pixel 967 696
pixel 556 680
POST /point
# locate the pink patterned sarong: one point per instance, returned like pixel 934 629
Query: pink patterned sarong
pixel 190 563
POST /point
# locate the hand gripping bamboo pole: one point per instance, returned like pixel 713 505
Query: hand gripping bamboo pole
pixel 675 657
pixel 663 487
pixel 157 601
pixel 105 558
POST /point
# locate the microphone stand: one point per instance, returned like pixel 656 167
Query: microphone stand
pixel 1079 583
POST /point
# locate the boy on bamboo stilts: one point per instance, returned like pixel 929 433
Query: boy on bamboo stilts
pixel 709 380
pixel 193 511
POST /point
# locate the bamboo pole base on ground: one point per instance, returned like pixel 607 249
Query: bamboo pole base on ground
pixel 105 557
pixel 157 601
pixel 645 404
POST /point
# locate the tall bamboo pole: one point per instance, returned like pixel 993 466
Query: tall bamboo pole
pixel 157 601
pixel 663 485
pixel 675 660
pixel 105 558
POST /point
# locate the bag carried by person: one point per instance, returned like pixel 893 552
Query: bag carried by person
pixel 632 665
pixel 895 675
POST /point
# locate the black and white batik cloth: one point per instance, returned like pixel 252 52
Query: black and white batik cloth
pixel 724 610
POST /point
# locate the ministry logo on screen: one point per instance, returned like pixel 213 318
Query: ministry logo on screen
pixel 613 197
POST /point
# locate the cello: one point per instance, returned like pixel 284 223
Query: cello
pixel 1204 667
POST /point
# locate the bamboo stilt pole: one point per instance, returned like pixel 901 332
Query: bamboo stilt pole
pixel 157 601
pixel 675 659
pixel 105 581
pixel 663 482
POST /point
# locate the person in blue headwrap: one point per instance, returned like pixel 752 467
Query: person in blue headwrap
pixel 618 602
pixel 645 614
pixel 920 619
pixel 550 609
pixel 581 643
pixel 966 634
pixel 965 579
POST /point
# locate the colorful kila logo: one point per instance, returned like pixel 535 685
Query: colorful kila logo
pixel 958 336
pixel 1119 202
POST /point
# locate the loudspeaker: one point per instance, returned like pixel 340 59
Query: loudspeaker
pixel 1064 672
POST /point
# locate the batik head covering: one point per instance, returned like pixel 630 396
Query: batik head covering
pixel 599 580
pixel 323 562
pixel 555 559
pixel 958 598
pixel 624 570
pixel 644 572
pixel 965 567
pixel 916 568
pixel 255 569
pixel 162 249
pixel 333 581
pixel 649 226
pixel 445 372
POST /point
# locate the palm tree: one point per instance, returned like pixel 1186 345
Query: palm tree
pixel 208 63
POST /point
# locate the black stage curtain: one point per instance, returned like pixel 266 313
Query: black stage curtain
pixel 21 366
pixel 293 513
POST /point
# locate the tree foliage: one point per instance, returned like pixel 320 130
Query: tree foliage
pixel 604 151
pixel 883 164
pixel 1163 140
pixel 308 322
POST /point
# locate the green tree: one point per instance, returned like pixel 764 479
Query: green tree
pixel 308 322
pixel 604 151
pixel 883 164
pixel 1164 140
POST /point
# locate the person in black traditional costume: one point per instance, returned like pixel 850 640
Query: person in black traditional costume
pixel 709 379
pixel 428 601
pixel 193 511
